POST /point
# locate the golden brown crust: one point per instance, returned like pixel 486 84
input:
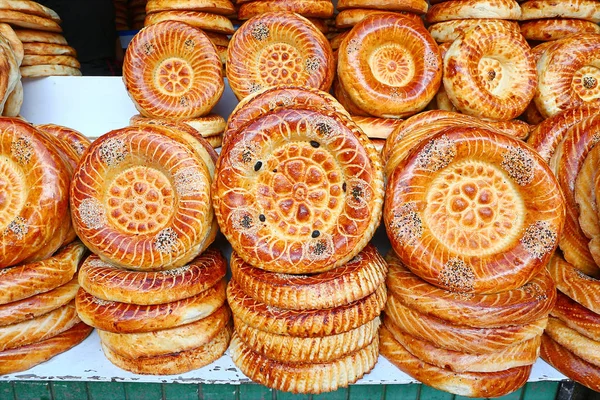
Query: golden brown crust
pixel 223 7
pixel 448 244
pixel 306 8
pixel 14 101
pixel 130 318
pixel 473 9
pixel 13 40
pixel 32 59
pixel 26 357
pixel 29 21
pixel 579 9
pixel 35 36
pixel 30 7
pixel 286 195
pixel 202 20
pixel 449 31
pixel 175 363
pixel 345 284
pixel 303 377
pixel 575 284
pixel 304 323
pixel 581 346
pixel 208 126
pixel 278 48
pixel 519 306
pixel 107 282
pixel 577 317
pixel 555 29
pixel 350 17
pixel 384 77
pixel 414 6
pixel 472 384
pixel 376 128
pixel 38 71
pixel 75 139
pixel 24 281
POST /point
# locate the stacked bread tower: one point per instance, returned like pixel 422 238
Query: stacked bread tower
pixel 137 13
pixel 473 216
pixel 568 142
pixel 40 256
pixel 121 15
pixel 307 288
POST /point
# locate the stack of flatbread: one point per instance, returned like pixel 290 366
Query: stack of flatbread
pixel 137 13
pixel 121 15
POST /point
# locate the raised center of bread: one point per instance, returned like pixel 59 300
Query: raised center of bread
pixel 392 65
pixel 174 76
pixel 281 63
pixel 301 190
pixel 473 208
pixel 13 191
pixel 140 201
pixel 491 73
pixel 585 83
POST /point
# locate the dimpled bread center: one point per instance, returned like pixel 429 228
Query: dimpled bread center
pixel 174 77
pixel 301 190
pixel 392 65
pixel 473 208
pixel 140 201
pixel 13 191
pixel 586 83
pixel 490 73
pixel 280 63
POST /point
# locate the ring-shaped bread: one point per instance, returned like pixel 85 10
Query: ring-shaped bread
pixel 102 280
pixel 201 20
pixel 303 377
pixel 449 31
pixel 414 6
pixel 456 337
pixel 345 284
pixel 473 9
pixel 172 70
pixel 75 139
pixel 577 317
pixel 308 9
pixel 350 17
pixel 389 66
pixel 304 323
pixel 554 29
pixel 298 191
pixel 118 317
pixel 472 384
pixel 27 280
pixel 278 48
pixel 162 221
pixel 474 211
pixel 528 303
pixel 565 81
pixel 489 72
pixel 222 7
pixel 579 9
pixel 26 357
pixel 292 349
pixel 572 282
pixel 580 345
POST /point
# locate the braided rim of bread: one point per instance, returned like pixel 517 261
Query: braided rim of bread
pixel 565 81
pixel 102 280
pixel 304 323
pixel 289 200
pixel 518 355
pixel 222 7
pixel 472 384
pixel 426 235
pixel 200 20
pixel 208 126
pixel 556 29
pixel 39 328
pixel 473 9
pixel 175 363
pixel 489 72
pixel 38 305
pixel 345 284
pixel 376 128
pixel 389 66
pixel 309 9
pixel 26 357
pixel 303 377
pixel 75 139
pixel 292 349
pixel 580 345
pixel 274 98
pixel 520 306
pixel 577 317
pixel 579 9
pixel 350 17
pixel 278 48
pixel 449 31
pixel 574 283
pixel 131 318
pixel 167 341
pixel 24 281
pixel 569 364
pixel 414 6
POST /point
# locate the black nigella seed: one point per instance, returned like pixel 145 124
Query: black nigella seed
pixel 258 166
pixel 314 144
pixel 275 171
pixel 262 218
pixel 316 234
pixel 344 186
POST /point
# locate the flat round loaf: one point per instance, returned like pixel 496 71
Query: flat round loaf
pixel 29 21
pixel 13 40
pixel 474 211
pixel 342 96
pixel 24 281
pixel 580 287
pixel 414 6
pixel 350 17
pixel 376 128
pixel 489 72
pixel 580 345
pixel 107 282
pixel 208 126
pixel 197 19
pixel 172 70
pixel 565 81
pixel 32 59
pixel 161 222
pixel 389 65
pixel 39 71
pixel 303 377
pixel 38 329
pixel 577 317
pixel 223 7
pixel 29 7
pixel 580 9
pixel 585 198
pixel 292 349
pixel 278 48
pixel 35 36
pixel 304 323
pixel 167 341
pixel 449 31
pixel 131 318
pixel 175 363
pixel 306 8
pixel 555 29
pixel 14 101
pixel 345 284
pixel 520 306
pixel 40 304
pixel 75 139
pixel 49 49
pixel 456 337
pixel 473 9
pixel 215 141
pixel 298 191
pixel 26 357
pixel 518 355
pixel 472 384
pixel 569 364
